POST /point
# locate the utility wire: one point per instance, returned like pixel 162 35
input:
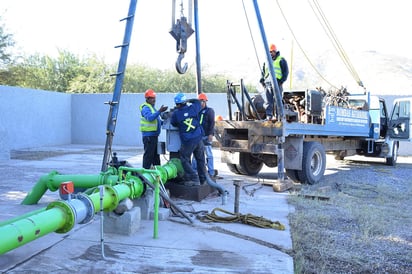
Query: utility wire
pixel 334 40
pixel 251 35
pixel 300 46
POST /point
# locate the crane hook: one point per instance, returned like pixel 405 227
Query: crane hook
pixel 179 68
pixel 181 31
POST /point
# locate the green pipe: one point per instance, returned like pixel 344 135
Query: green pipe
pixel 61 216
pixel 53 180
pixel 156 210
pixel 22 216
pixel 26 230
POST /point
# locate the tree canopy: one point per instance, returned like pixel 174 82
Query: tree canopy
pixel 90 74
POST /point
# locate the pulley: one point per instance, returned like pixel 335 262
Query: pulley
pixel 181 31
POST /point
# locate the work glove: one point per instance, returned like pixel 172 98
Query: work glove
pixel 163 108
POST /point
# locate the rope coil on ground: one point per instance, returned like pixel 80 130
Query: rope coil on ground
pixel 248 219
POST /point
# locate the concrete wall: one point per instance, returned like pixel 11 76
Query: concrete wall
pixel 32 118
pixel 35 118
pixel 90 113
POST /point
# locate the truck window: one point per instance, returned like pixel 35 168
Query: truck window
pixel 383 109
pixel 401 110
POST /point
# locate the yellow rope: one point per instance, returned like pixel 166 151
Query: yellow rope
pixel 248 219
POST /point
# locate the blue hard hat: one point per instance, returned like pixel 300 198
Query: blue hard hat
pixel 180 98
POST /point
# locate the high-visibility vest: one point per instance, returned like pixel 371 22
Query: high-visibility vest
pixel 276 67
pixel 202 115
pixel 146 125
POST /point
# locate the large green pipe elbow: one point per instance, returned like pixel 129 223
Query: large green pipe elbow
pixel 53 180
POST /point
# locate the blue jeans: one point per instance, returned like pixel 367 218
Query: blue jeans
pixel 186 151
pixel 150 156
pixel 209 158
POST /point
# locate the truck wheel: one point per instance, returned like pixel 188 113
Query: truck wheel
pixel 313 163
pixel 233 168
pixel 391 161
pixel 293 175
pixel 248 164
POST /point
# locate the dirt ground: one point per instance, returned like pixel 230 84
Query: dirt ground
pixel 356 220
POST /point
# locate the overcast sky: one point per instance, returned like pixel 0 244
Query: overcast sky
pixel 92 26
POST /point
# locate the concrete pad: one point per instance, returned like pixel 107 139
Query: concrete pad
pixel 180 246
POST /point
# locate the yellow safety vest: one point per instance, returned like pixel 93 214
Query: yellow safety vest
pixel 146 125
pixel 276 67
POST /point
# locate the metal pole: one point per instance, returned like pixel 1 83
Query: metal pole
pixel 198 65
pixel 278 94
pixel 237 183
pixel 101 188
pixel 114 104
pixel 156 209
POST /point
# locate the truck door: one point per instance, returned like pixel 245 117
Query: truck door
pixel 400 120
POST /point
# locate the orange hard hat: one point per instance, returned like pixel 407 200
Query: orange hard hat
pixel 150 93
pixel 202 96
pixel 219 118
pixel 272 47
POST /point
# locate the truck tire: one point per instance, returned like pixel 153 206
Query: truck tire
pixel 313 163
pixel 233 168
pixel 249 164
pixel 391 161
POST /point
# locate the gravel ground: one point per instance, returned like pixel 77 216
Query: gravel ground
pixel 356 220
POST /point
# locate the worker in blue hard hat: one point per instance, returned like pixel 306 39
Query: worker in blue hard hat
pixel 186 119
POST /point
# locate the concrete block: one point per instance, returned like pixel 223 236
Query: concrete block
pixel 125 224
pixel 145 203
pixel 124 206
pixel 164 213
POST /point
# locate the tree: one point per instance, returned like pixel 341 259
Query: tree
pixel 6 43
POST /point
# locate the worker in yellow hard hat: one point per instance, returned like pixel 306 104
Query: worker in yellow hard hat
pixel 281 68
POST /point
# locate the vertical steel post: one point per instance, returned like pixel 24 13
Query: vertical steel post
pixel 156 208
pixel 278 96
pixel 198 64
pixel 237 184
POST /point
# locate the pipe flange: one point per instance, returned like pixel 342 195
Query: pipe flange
pixel 90 207
pixel 114 196
pixel 68 211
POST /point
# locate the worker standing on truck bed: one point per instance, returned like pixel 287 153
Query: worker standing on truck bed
pixel 186 119
pixel 281 68
pixel 150 123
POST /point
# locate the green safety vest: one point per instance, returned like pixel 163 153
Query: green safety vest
pixel 146 125
pixel 276 67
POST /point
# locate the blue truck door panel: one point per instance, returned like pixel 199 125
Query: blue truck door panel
pixel 400 120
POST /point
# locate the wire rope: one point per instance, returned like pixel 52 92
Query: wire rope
pixel 300 46
pixel 251 36
pixel 320 15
